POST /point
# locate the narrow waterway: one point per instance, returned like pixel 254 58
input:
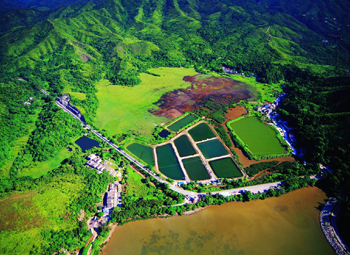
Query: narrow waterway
pixel 285 225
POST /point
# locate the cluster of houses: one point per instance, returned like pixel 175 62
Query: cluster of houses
pixel 229 70
pixel 281 126
pixel 28 102
pixel 99 164
pixel 112 197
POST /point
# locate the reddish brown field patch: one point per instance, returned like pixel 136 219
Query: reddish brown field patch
pixel 222 90
pixel 19 213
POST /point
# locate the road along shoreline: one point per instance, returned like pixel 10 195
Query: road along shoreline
pixel 329 228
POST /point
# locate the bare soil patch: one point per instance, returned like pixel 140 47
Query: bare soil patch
pixel 222 90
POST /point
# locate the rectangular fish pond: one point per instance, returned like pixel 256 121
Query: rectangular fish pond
pixel 225 168
pixel 176 126
pixel 260 138
pixel 184 146
pixel 201 132
pixel 195 169
pixel 143 152
pixel 212 149
pixel 168 163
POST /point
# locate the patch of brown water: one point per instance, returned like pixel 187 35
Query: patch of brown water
pixel 285 225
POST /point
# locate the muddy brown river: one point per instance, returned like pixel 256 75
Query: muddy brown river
pixel 285 225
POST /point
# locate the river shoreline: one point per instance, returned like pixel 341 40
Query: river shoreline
pixel 327 221
pixel 114 226
pixel 228 228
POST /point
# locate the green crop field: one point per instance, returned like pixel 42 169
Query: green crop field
pixel 201 132
pixel 123 108
pixel 182 123
pixel 195 169
pixel 225 168
pixel 260 138
pixel 143 152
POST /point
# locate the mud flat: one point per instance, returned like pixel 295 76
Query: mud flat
pixel 221 90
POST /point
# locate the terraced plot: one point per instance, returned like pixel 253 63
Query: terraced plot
pixel 176 126
pixel 260 138
pixel 168 163
pixel 143 152
pixel 201 132
pixel 212 149
pixel 225 168
pixel 184 146
pixel 195 169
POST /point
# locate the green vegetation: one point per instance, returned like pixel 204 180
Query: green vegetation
pixel 184 146
pixel 138 186
pixel 212 149
pixel 195 169
pixel 201 132
pixel 143 152
pixel 181 123
pixel 128 108
pixel 85 48
pixel 257 168
pixel 168 163
pixel 42 168
pixel 259 138
pixel 225 168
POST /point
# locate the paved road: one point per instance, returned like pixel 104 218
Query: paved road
pixel 252 189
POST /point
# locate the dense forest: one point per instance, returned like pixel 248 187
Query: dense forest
pixel 68 46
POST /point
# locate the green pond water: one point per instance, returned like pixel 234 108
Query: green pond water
pixel 260 138
pixel 212 149
pixel 195 169
pixel 201 132
pixel 143 152
pixel 225 168
pixel 168 163
pixel 176 126
pixel 287 225
pixel 184 146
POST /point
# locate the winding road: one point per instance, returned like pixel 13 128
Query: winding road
pixel 230 192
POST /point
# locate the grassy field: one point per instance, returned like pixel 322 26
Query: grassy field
pixel 41 168
pixel 136 187
pixel 24 215
pixel 266 91
pixel 124 108
pixel 260 138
